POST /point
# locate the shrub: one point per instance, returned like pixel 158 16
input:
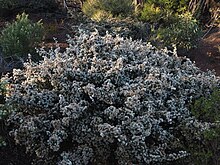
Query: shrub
pixel 151 13
pixel 208 109
pixel 20 37
pixel 169 26
pixel 205 150
pixel 114 7
pixel 203 145
pixel 105 100
pixel 172 5
pixel 184 32
pixel 158 10
pixel 101 15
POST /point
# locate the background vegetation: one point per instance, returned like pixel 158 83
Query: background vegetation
pixel 21 37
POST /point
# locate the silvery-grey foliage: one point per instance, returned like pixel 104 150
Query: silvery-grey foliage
pixel 125 27
pixel 104 100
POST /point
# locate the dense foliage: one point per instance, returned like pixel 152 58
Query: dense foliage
pixel 155 11
pixel 97 9
pixel 184 32
pixel 106 99
pixel 207 108
pixel 205 150
pixel 20 37
pixel 170 21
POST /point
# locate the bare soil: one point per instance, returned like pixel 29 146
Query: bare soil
pixel 207 54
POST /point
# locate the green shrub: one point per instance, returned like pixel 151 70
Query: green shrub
pixel 172 5
pixel 171 24
pixel 101 15
pixel 113 7
pixel 20 37
pixel 205 148
pixel 117 7
pixel 184 32
pixel 151 13
pixel 158 10
pixel 208 108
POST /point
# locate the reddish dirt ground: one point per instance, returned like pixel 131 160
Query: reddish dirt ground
pixel 207 54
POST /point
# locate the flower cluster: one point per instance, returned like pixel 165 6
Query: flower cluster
pixel 105 99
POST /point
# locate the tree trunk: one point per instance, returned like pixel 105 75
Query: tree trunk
pixel 199 7
pixel 138 4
